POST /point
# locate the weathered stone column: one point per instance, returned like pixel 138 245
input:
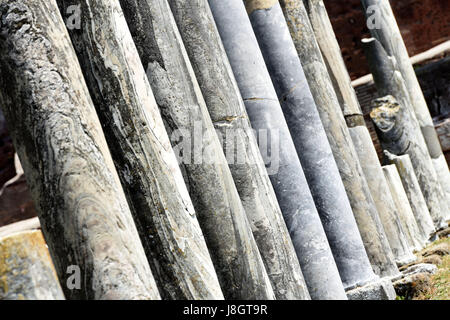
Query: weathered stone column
pixel 141 149
pixel 399 129
pixel 227 111
pixel 233 249
pixel 26 269
pixel 385 29
pixel 84 214
pixel 415 238
pixel 364 210
pixel 311 142
pixel 415 196
pixel 289 182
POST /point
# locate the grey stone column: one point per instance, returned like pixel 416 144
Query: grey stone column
pixel 415 196
pixel 400 131
pixel 289 182
pixel 227 111
pixel 311 142
pixel 228 234
pixel 146 163
pixel 364 209
pixel 385 29
pixel 26 269
pixel 58 137
pixel 415 237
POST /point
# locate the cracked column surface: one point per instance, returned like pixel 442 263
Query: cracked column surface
pixel 358 191
pixel 398 128
pixel 416 240
pixel 26 269
pixel 414 194
pixel 142 153
pixel 227 111
pixel 311 142
pixel 265 113
pixel 58 137
pixel 227 231
pixel 387 32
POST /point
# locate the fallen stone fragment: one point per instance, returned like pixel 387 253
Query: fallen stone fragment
pixel 26 269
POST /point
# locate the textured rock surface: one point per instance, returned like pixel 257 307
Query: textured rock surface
pixel 415 196
pixel 412 285
pixel 398 128
pixel 227 111
pixel 363 206
pixel 142 153
pixel 26 269
pixel 379 290
pixel 82 207
pixel 312 145
pixel 388 34
pixel 416 239
pixel 233 249
pixel 266 115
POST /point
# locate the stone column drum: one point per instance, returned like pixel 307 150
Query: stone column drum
pixel 26 269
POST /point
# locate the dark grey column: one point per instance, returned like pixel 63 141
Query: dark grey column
pixel 339 136
pixel 404 136
pixel 58 137
pixel 384 28
pixel 227 110
pixel 415 196
pixel 228 234
pixel 289 182
pixel 311 143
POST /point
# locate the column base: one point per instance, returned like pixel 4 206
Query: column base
pixel 381 289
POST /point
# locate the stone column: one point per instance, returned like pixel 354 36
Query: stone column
pixel 311 142
pixel 415 238
pixel 415 196
pixel 26 269
pixel 228 234
pixel 346 157
pixel 385 30
pixel 399 129
pixel 141 150
pixel 227 111
pixel 81 205
pixel 289 182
